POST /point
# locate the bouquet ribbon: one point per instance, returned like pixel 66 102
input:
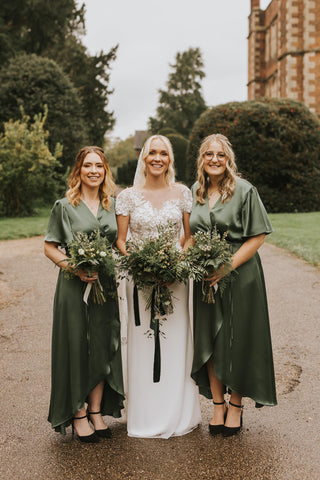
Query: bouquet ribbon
pixel 154 325
pixel 87 293
pixel 136 306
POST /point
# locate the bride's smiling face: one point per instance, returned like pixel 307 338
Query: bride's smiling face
pixel 157 160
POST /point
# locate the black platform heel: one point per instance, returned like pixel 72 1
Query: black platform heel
pixel 230 431
pixel 93 438
pixel 216 429
pixel 104 432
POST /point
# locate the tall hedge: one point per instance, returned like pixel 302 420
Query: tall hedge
pixel 125 174
pixel 31 82
pixel 277 147
pixel 179 146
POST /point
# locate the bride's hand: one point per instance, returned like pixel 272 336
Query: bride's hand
pixel 121 246
pixel 167 284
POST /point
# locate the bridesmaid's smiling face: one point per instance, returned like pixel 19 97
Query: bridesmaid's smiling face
pixel 157 160
pixel 92 172
pixel 215 160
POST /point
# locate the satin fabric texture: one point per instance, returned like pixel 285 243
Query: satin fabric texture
pixel 235 332
pixel 85 339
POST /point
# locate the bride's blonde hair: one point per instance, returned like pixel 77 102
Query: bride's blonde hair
pixel 141 168
pixel 228 183
pixel 107 187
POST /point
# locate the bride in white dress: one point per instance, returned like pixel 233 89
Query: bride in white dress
pixel 170 406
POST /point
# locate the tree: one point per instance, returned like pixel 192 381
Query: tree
pixel 32 26
pixel 182 103
pixel 90 75
pixel 53 30
pixel 27 167
pixel 277 145
pixel 120 151
pixel 33 82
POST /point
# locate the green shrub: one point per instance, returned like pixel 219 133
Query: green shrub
pixel 167 131
pixel 26 167
pixel 118 151
pixel 277 147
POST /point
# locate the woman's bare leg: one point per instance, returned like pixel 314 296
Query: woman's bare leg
pixel 94 405
pixel 234 413
pixel 217 390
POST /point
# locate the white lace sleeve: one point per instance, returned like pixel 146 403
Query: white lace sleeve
pixel 186 202
pixel 123 202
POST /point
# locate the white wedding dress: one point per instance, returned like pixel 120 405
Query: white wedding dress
pixel 170 407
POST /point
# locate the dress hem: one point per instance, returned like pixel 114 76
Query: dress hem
pixel 165 437
pixel 61 426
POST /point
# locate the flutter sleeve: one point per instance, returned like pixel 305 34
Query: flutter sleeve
pixel 255 220
pixel 59 228
pixel 123 202
pixel 186 202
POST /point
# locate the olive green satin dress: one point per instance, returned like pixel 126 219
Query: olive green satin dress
pixel 235 331
pixel 85 339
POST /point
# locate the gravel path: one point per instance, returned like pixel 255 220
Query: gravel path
pixel 279 443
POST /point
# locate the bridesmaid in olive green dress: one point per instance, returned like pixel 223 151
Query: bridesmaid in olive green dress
pixel 86 355
pixel 232 343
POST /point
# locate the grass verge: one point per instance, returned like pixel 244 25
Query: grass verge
pixel 12 228
pixel 299 233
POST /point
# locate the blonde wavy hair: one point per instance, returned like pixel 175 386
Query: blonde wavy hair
pixel 169 175
pixel 228 183
pixel 107 187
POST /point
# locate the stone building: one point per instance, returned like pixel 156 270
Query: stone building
pixel 284 51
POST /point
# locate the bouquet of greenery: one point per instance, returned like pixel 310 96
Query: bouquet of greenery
pixel 92 252
pixel 210 252
pixel 154 263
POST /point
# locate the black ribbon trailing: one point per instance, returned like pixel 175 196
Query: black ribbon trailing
pixel 136 306
pixel 154 325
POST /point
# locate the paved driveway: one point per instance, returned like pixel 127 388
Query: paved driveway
pixel 279 443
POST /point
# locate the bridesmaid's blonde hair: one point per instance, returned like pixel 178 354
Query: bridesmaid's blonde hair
pixel 107 187
pixel 228 183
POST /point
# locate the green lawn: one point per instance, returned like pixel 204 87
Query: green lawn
pixel 297 232
pixel 12 228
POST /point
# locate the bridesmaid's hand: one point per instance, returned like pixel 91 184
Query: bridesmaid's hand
pixel 87 277
pixel 218 274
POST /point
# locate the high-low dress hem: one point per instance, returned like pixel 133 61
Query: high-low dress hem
pixel 234 332
pixel 86 347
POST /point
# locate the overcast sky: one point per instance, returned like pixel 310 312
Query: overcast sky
pixel 150 33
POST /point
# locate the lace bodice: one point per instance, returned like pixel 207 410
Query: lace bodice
pixel 144 217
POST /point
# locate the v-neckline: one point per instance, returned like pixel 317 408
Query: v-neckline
pixel 94 216
pixel 217 201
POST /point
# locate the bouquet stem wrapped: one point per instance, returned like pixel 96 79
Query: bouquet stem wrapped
pixel 211 252
pixel 154 263
pixel 92 252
